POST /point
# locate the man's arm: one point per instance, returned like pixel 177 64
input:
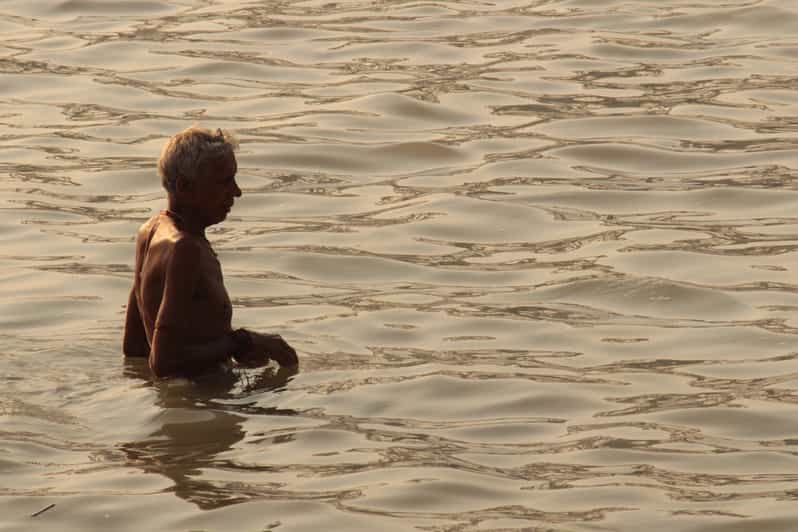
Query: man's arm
pixel 134 342
pixel 170 356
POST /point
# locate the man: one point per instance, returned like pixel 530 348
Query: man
pixel 179 313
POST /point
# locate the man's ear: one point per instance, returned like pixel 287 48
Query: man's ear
pixel 182 185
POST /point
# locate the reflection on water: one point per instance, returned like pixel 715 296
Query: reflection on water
pixel 193 432
pixel 537 257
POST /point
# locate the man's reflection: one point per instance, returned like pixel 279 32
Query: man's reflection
pixel 197 428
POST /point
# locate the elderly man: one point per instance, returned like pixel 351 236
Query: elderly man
pixel 179 314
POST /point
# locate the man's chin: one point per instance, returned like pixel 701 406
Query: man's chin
pixel 217 219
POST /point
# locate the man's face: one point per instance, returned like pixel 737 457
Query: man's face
pixel 215 189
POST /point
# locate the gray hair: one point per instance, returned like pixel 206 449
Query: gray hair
pixel 186 152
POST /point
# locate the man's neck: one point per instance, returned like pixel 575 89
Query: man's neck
pixel 188 222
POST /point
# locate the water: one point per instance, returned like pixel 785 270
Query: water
pixel 538 258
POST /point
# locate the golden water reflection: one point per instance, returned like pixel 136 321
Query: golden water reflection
pixel 536 256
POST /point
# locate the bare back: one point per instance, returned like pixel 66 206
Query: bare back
pixel 209 314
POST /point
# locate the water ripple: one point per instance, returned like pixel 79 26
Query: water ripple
pixel 536 255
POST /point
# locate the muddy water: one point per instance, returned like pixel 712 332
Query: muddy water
pixel 539 259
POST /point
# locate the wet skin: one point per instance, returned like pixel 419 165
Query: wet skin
pixel 179 312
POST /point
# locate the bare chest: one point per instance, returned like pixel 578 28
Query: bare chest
pixel 211 302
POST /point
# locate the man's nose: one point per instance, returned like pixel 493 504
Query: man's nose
pixel 237 191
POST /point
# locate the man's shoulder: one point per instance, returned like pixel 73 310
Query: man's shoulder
pixel 185 244
pixel 146 229
pixel 162 238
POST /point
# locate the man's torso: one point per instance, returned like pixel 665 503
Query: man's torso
pixel 210 313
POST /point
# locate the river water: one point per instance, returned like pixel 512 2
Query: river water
pixel 539 259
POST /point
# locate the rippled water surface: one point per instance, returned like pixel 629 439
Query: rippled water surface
pixel 539 259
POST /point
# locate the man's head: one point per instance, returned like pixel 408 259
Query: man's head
pixel 197 167
pixel 187 153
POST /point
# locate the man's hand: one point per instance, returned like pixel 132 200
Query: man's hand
pixel 266 347
pixel 253 358
pixel 274 347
